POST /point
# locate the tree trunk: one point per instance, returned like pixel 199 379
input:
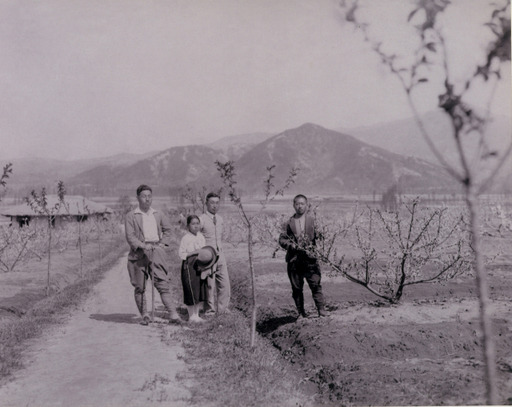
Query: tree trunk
pixel 483 298
pixel 99 247
pixel 253 285
pixel 80 248
pixel 49 255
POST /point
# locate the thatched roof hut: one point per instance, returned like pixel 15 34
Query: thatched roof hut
pixel 75 207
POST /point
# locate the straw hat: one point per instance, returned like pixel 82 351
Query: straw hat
pixel 206 258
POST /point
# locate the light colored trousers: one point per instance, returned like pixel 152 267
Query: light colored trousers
pixel 218 284
pixel 138 278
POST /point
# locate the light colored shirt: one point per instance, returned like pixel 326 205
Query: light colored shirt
pixel 149 227
pixel 212 231
pixel 190 243
pixel 300 224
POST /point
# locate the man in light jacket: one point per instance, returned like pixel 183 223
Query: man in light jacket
pixel 218 282
pixel 148 232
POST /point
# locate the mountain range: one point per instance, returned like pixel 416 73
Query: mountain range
pixel 330 162
pixel 404 136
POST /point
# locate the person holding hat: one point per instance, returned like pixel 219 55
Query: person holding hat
pixel 148 232
pixel 198 259
pixel 218 282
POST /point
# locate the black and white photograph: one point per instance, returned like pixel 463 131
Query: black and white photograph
pixel 255 203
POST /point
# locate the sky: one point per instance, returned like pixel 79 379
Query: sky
pixel 93 78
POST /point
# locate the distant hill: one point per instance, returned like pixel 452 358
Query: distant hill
pixel 31 173
pixel 169 169
pixel 236 146
pixel 404 137
pixel 331 162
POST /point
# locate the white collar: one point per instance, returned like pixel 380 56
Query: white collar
pixel 150 211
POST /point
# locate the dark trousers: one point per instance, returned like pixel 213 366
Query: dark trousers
pixel 298 271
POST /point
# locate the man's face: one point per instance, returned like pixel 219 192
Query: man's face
pixel 213 205
pixel 300 205
pixel 145 199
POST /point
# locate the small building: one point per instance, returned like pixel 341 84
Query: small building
pixel 75 208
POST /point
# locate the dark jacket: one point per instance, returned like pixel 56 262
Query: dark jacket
pixel 288 239
pixel 135 233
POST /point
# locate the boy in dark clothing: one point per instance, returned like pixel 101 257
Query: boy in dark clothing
pixel 300 265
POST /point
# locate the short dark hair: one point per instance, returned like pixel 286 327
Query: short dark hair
pixel 212 195
pixel 300 196
pixel 143 187
pixel 190 218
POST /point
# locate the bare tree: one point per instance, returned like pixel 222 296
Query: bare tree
pixel 228 175
pixel 6 172
pixel 196 197
pixel 80 218
pixel 432 55
pixel 14 247
pixel 39 204
pixel 124 205
pixel 412 245
pixel 97 222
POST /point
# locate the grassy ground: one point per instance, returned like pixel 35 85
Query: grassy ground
pixel 39 313
pixel 424 351
pixel 226 371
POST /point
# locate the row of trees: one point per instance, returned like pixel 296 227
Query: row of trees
pixel 35 241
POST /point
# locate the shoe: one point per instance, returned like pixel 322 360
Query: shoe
pixel 302 316
pixel 175 320
pixel 210 313
pixel 323 313
pixel 174 315
pixel 195 319
pixel 225 312
pixel 145 320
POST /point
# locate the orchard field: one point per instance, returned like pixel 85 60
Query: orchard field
pixel 424 349
pixel 74 255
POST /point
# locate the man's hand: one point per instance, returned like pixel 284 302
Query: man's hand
pixel 151 246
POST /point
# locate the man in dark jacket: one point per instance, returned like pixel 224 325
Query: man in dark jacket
pixel 148 232
pixel 299 233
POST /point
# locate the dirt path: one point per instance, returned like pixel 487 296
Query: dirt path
pixel 101 357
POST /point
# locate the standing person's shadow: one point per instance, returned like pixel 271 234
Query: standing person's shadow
pixel 269 325
pixel 118 318
pixel 160 312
